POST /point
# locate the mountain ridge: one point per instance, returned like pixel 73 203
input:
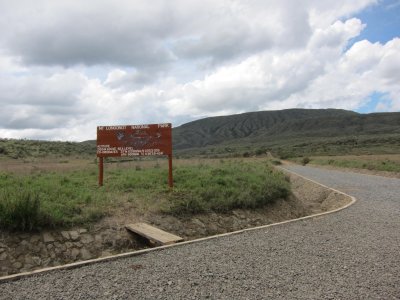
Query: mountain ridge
pixel 256 127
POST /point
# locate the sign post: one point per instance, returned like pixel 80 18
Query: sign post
pixel 134 140
pixel 101 170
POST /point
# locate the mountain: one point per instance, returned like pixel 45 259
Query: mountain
pixel 286 133
pixel 266 126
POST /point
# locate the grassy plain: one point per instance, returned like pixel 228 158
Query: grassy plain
pixel 382 162
pixel 60 193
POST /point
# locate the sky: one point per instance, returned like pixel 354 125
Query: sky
pixel 68 66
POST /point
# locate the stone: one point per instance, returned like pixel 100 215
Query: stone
pixel 198 222
pixel 63 247
pixel 2 250
pixel 86 238
pixel 74 235
pixel 82 230
pixel 74 253
pixel 65 235
pixel 36 260
pixel 46 262
pixel 50 246
pixel 29 260
pixel 78 244
pixel 19 250
pixel 34 239
pixel 48 238
pixel 17 265
pixel 24 243
pixel 105 253
pixel 98 238
pixel 85 254
pixel 68 244
pixel 36 249
pixel 3 256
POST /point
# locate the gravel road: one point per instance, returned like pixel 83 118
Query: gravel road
pixel 352 254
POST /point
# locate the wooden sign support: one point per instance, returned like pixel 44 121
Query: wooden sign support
pixel 134 140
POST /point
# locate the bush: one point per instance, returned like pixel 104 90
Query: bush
pixel 276 162
pixel 227 187
pixel 246 154
pixel 305 161
pixel 20 210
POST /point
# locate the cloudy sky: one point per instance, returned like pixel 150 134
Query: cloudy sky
pixel 67 66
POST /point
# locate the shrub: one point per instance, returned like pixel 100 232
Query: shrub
pixel 305 161
pixel 227 187
pixel 276 162
pixel 20 210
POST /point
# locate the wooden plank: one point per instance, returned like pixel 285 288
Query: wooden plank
pixel 154 234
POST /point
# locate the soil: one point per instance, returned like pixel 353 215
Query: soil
pixel 26 252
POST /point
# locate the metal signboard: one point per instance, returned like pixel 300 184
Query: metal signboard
pixel 134 140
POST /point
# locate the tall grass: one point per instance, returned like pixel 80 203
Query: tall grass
pixel 52 199
pixel 222 188
pixel 48 200
pixel 20 209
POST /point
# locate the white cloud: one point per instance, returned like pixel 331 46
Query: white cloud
pixel 68 66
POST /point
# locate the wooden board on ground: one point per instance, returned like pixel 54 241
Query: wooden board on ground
pixel 154 234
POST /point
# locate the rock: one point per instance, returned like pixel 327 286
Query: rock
pixel 78 244
pixel 212 229
pixel 43 252
pixel 65 235
pixel 74 253
pixel 34 239
pixel 3 256
pixel 17 265
pixel 86 239
pixel 50 246
pixel 46 262
pixel 85 254
pixel 2 250
pixel 198 223
pixel 98 238
pixel 25 244
pixel 105 253
pixel 36 249
pixel 29 260
pixel 37 261
pixel 82 230
pixel 48 238
pixel 68 244
pixel 74 235
pixel 19 250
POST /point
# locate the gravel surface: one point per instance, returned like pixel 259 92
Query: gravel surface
pixel 353 254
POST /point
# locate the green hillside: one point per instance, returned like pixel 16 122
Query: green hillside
pixel 286 133
pixel 292 132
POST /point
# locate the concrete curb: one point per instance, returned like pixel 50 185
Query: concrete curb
pixel 144 251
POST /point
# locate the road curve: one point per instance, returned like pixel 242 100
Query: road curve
pixel 352 254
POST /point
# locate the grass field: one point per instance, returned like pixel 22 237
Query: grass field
pixel 385 163
pixel 44 194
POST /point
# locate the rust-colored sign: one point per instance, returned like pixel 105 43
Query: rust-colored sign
pixel 134 140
